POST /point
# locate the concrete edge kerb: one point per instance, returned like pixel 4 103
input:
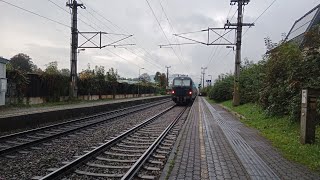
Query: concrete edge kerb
pixel 76 106
pixel 36 119
pixel 237 115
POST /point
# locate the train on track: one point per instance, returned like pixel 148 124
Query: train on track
pixel 184 90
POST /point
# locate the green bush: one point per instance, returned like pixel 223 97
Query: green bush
pixel 222 88
pixel 275 83
pixel 56 85
pixel 282 79
pixel 162 92
pixel 251 79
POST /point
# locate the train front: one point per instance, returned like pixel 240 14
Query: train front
pixel 182 90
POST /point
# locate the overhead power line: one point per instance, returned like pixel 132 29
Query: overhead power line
pixel 142 49
pixel 229 12
pixel 69 12
pixel 34 13
pixel 172 29
pixel 264 11
pixel 260 15
pixel 60 7
pixel 162 29
pixel 151 61
pixel 215 49
pixel 89 25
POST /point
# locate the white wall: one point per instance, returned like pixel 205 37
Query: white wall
pixel 2 76
pixel 2 70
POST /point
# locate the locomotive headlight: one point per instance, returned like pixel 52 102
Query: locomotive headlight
pixel 190 92
pixel 172 91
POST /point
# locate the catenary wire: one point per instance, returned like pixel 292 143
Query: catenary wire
pixel 34 13
pixel 162 30
pixel 260 16
pixel 123 30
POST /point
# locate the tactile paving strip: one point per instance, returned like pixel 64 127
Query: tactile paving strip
pixel 255 166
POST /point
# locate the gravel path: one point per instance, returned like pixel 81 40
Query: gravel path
pixel 36 163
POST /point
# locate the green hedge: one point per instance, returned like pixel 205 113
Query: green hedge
pixel 275 82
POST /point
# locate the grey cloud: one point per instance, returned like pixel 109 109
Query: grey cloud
pixel 45 41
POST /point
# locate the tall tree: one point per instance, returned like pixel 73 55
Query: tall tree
pixel 100 79
pixel 145 77
pixel 157 77
pixel 65 72
pixel 52 68
pixel 22 62
pixel 112 77
pixel 163 80
pixel 87 79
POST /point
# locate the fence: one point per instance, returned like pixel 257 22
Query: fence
pixel 46 88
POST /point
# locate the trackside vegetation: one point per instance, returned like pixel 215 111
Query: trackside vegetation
pixel 26 80
pixel 270 91
pixel 276 81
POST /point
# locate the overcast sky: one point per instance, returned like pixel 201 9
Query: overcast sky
pixel 46 41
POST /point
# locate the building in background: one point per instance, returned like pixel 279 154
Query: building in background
pixel 3 80
pixel 303 25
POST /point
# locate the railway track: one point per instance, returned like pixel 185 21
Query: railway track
pixel 31 138
pixel 138 152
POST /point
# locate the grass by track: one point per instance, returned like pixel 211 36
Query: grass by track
pixel 283 134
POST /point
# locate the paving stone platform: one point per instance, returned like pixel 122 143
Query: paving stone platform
pixel 215 145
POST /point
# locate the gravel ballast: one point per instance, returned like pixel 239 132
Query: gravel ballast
pixel 140 135
pixel 36 162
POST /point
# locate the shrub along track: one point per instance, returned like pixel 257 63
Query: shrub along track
pixel 138 152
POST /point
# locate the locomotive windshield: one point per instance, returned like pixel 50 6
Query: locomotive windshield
pixel 181 82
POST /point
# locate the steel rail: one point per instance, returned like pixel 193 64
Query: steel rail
pixel 137 165
pixel 59 173
pixel 35 142
pixel 73 121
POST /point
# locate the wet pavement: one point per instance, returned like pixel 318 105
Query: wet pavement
pixel 216 145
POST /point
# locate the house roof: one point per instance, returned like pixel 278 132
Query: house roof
pixel 304 24
pixel 3 61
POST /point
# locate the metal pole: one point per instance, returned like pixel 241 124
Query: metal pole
pixel 168 75
pixel 236 93
pixel 203 78
pixel 74 46
pixel 139 84
pixel 73 92
pixel 203 73
pixel 200 81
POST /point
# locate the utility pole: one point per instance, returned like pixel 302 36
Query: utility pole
pixel 168 76
pixel 227 29
pixel 73 91
pixel 73 5
pixel 139 82
pixel 203 73
pixel 239 25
